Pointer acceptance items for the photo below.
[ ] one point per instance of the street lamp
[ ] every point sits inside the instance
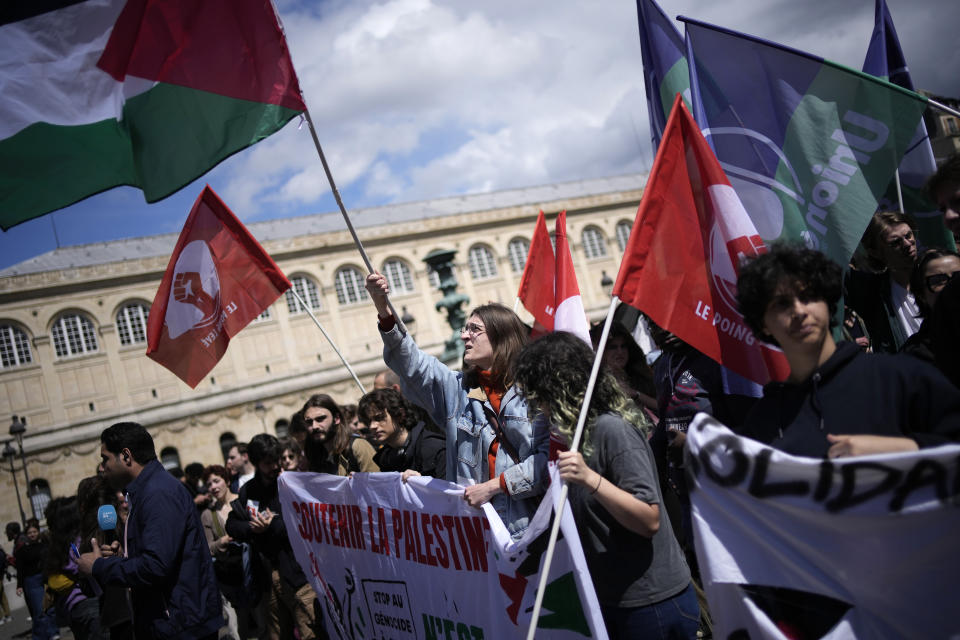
(606, 283)
(9, 453)
(18, 426)
(261, 410)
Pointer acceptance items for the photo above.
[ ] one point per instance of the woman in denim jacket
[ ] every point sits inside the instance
(499, 454)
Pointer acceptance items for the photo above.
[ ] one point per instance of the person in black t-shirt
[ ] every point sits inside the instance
(639, 572)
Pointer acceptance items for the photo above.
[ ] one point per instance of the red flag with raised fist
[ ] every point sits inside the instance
(219, 279)
(681, 263)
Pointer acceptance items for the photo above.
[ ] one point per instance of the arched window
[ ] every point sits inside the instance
(14, 347)
(433, 277)
(40, 495)
(594, 244)
(73, 335)
(482, 263)
(398, 276)
(227, 440)
(349, 285)
(169, 458)
(517, 251)
(623, 234)
(132, 323)
(308, 291)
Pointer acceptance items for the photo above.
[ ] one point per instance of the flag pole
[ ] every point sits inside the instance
(943, 107)
(306, 308)
(896, 177)
(581, 421)
(346, 217)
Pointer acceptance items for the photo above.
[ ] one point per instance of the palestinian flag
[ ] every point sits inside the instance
(146, 93)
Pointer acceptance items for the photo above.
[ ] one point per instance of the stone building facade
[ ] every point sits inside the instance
(73, 339)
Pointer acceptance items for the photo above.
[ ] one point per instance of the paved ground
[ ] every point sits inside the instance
(19, 628)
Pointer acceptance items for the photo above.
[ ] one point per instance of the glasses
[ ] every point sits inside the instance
(472, 329)
(939, 280)
(289, 456)
(896, 241)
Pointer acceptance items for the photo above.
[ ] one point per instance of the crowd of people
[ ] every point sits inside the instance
(204, 553)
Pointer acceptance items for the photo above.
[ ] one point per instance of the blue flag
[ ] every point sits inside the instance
(885, 60)
(809, 145)
(665, 71)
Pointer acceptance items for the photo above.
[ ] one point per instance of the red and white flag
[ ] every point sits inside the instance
(536, 283)
(548, 287)
(570, 315)
(219, 279)
(681, 263)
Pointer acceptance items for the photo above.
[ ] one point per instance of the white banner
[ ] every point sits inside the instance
(861, 547)
(412, 560)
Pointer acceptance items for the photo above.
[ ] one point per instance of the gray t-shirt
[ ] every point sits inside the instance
(628, 570)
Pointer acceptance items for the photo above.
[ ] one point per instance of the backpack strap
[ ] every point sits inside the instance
(501, 436)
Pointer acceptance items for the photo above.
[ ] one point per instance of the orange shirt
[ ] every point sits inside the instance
(494, 396)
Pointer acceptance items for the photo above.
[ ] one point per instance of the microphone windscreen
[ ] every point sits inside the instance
(107, 518)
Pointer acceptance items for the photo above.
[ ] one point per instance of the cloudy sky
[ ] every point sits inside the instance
(417, 99)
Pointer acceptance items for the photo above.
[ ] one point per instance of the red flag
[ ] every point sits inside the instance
(219, 279)
(569, 315)
(684, 252)
(536, 284)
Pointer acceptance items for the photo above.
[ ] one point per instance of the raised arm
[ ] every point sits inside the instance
(425, 380)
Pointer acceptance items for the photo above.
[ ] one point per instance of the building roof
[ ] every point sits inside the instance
(86, 255)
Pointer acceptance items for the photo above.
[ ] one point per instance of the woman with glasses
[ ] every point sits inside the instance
(934, 271)
(493, 447)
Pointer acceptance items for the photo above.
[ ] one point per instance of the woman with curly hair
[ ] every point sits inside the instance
(642, 580)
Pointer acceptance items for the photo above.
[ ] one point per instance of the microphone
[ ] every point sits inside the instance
(107, 521)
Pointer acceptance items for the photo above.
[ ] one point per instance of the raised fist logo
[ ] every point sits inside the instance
(194, 300)
(187, 289)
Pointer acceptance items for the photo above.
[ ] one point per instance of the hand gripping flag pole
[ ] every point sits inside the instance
(565, 489)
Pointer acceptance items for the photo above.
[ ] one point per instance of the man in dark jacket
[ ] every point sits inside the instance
(883, 297)
(837, 400)
(166, 561)
(256, 518)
